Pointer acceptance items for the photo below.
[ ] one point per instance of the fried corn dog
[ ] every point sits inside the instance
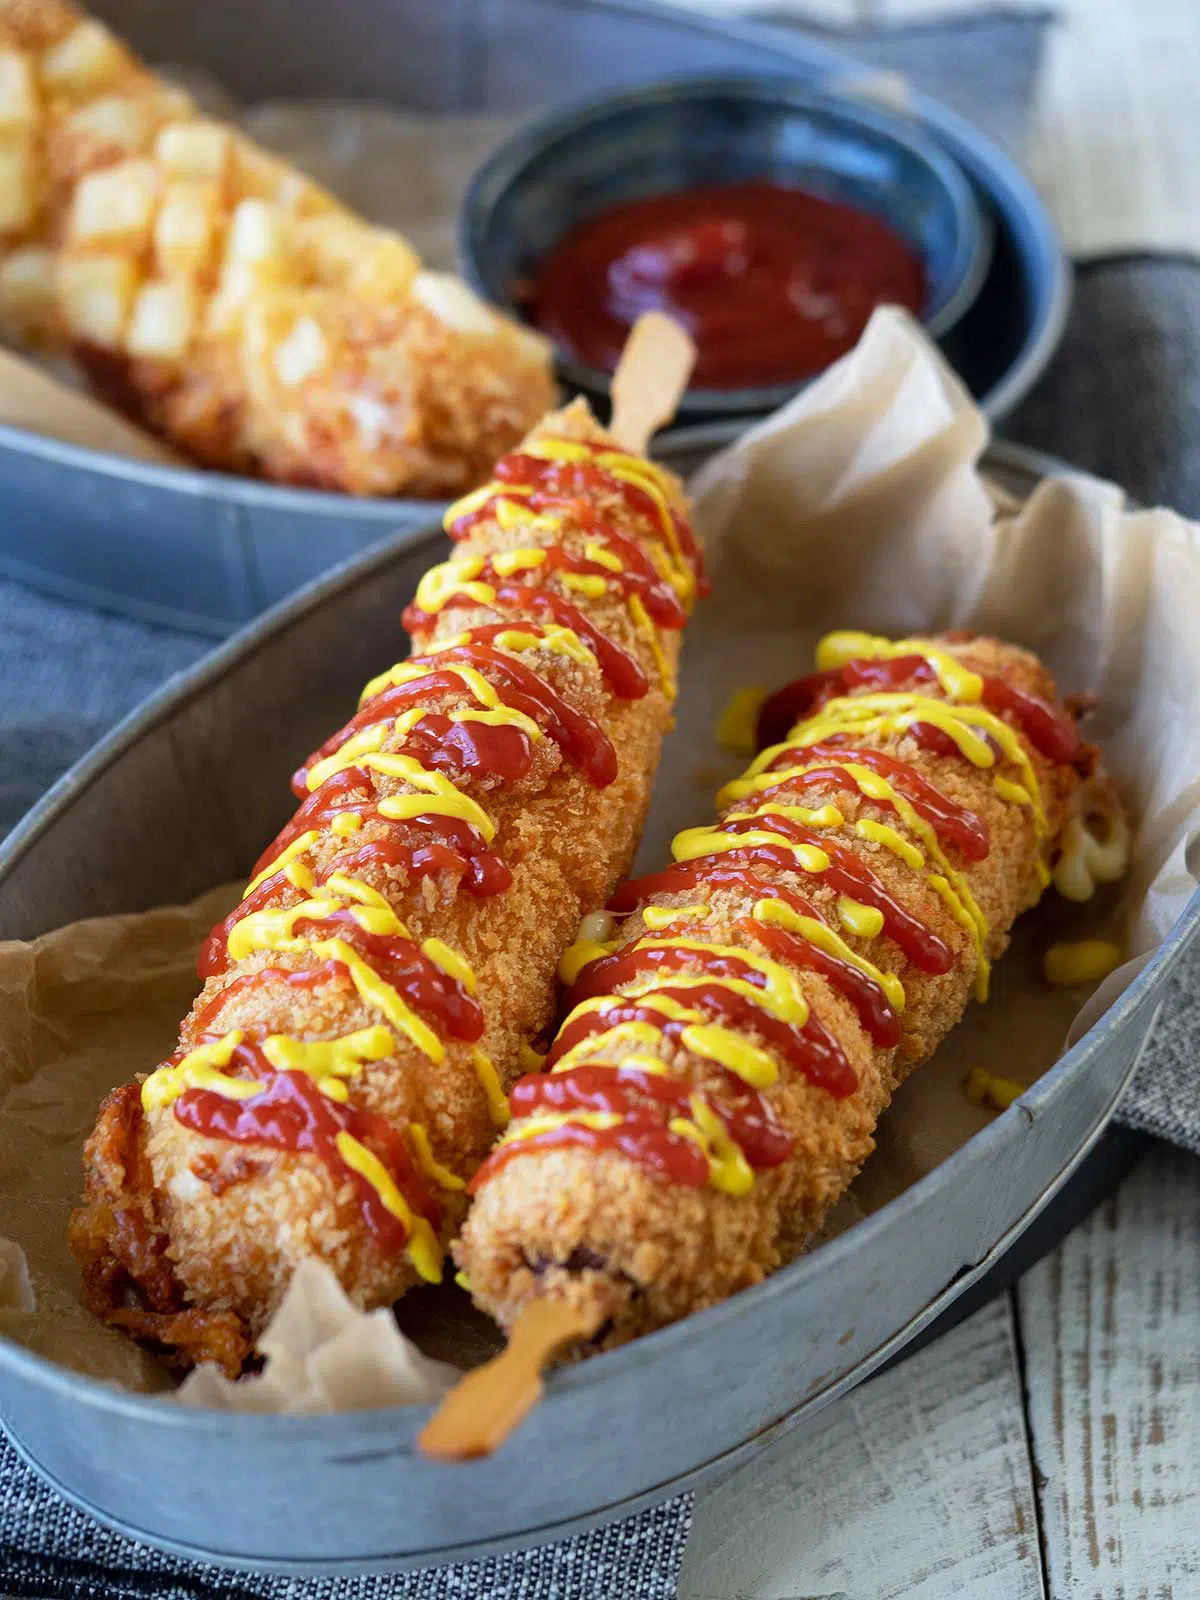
(740, 1021)
(343, 1070)
(225, 301)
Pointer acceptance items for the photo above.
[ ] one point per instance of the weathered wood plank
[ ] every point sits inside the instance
(1110, 1324)
(918, 1485)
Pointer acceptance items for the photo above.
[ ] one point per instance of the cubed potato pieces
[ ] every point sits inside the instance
(95, 296)
(387, 268)
(115, 120)
(27, 298)
(453, 304)
(163, 320)
(187, 225)
(115, 206)
(88, 59)
(302, 353)
(341, 252)
(18, 183)
(18, 90)
(193, 149)
(260, 234)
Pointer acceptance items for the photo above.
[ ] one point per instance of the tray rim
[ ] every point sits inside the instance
(717, 1466)
(182, 689)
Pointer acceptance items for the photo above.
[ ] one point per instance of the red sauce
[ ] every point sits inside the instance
(327, 972)
(825, 1065)
(864, 993)
(455, 845)
(1051, 732)
(846, 874)
(462, 750)
(292, 1114)
(624, 674)
(646, 1102)
(400, 962)
(953, 823)
(579, 736)
(579, 483)
(772, 283)
(810, 1050)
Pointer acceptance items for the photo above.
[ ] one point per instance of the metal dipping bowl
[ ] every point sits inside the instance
(579, 163)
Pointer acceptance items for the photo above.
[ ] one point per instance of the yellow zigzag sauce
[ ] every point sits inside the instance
(782, 997)
(326, 1061)
(422, 1247)
(329, 1063)
(459, 578)
(708, 1040)
(957, 682)
(778, 914)
(966, 722)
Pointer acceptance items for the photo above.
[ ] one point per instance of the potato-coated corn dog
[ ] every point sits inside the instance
(343, 1070)
(740, 1021)
(224, 300)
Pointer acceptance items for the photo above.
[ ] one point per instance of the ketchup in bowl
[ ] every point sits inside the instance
(772, 283)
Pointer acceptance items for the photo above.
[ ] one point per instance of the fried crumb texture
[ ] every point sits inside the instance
(188, 1240)
(589, 1216)
(225, 301)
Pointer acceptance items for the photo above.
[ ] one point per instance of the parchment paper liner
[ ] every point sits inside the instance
(859, 504)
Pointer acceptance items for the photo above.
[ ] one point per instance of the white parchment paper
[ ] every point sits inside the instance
(858, 505)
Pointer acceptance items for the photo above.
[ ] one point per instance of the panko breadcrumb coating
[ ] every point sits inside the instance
(842, 911)
(224, 300)
(341, 1073)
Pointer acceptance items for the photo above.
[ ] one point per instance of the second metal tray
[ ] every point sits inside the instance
(206, 552)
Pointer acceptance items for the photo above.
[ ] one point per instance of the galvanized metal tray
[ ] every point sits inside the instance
(207, 552)
(205, 761)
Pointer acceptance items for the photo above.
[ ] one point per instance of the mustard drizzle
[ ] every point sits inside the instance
(966, 722)
(458, 580)
(331, 1063)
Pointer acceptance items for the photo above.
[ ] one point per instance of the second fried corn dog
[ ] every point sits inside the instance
(733, 1042)
(223, 299)
(343, 1070)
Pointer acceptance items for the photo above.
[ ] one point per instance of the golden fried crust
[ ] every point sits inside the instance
(395, 399)
(234, 1220)
(603, 1232)
(117, 1237)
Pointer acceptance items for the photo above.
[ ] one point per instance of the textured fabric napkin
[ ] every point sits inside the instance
(1120, 401)
(48, 1549)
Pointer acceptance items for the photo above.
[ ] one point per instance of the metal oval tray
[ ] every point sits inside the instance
(211, 753)
(207, 552)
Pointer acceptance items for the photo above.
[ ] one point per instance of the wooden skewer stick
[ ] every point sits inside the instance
(650, 379)
(483, 1408)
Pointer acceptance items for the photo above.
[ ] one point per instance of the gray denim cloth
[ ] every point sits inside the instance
(1122, 400)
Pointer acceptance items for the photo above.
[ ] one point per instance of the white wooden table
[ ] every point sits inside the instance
(1048, 1447)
